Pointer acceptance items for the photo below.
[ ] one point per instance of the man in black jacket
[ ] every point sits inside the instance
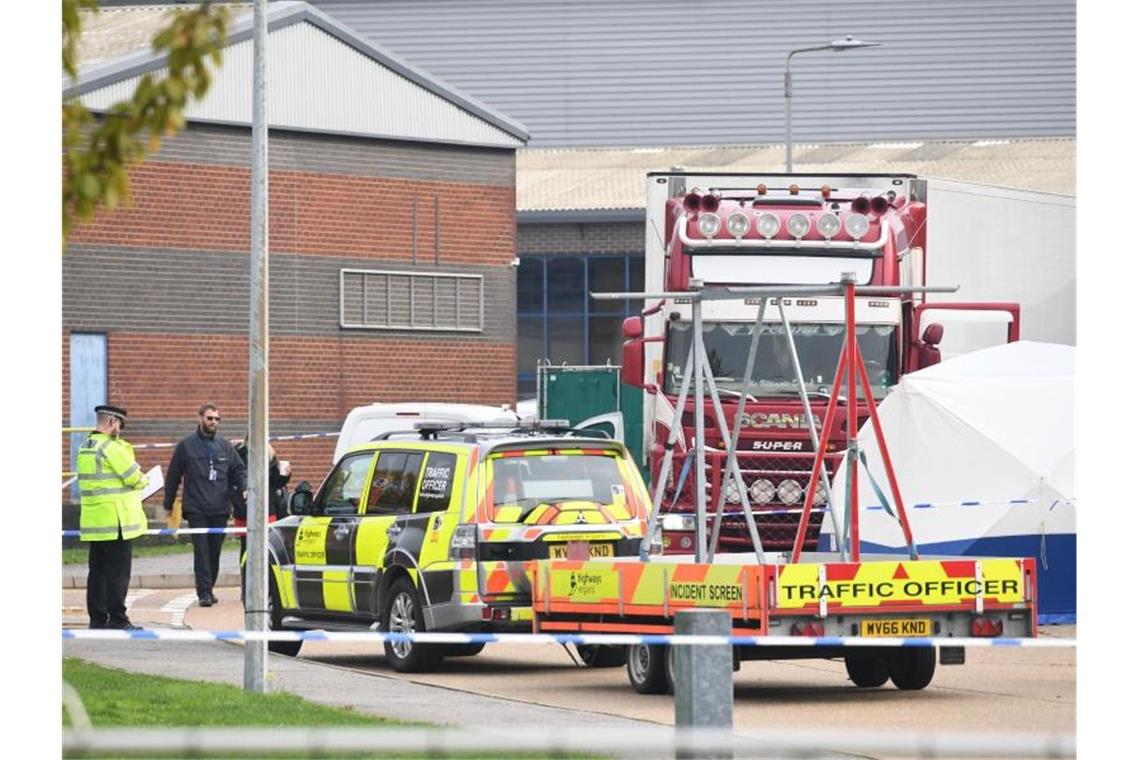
(205, 464)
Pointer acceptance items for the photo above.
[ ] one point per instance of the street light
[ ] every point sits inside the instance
(836, 45)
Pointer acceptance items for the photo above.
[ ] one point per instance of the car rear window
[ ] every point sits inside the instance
(548, 478)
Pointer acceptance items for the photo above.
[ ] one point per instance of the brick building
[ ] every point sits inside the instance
(392, 243)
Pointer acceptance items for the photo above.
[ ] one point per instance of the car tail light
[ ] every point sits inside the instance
(808, 628)
(462, 543)
(496, 613)
(986, 627)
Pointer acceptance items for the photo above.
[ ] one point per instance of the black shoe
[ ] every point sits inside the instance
(206, 601)
(213, 598)
(96, 625)
(127, 626)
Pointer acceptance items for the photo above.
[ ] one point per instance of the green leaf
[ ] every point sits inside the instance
(89, 186)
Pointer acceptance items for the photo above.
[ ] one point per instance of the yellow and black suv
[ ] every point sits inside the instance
(432, 530)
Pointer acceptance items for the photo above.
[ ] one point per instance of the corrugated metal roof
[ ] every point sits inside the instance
(606, 179)
(710, 72)
(317, 70)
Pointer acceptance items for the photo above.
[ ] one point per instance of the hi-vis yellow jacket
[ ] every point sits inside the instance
(109, 485)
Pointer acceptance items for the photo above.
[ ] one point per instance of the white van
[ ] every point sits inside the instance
(365, 423)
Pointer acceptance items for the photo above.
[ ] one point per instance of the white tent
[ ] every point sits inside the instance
(983, 448)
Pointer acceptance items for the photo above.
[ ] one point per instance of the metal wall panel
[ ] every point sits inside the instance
(699, 72)
(319, 83)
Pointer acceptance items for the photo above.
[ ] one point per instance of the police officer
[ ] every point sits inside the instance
(110, 516)
(205, 464)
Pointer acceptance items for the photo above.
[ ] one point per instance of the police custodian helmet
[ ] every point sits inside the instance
(117, 412)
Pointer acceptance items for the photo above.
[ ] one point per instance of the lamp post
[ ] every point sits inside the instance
(836, 45)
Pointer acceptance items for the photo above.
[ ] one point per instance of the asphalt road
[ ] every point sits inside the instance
(997, 690)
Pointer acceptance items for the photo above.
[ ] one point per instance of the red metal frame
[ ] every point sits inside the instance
(851, 364)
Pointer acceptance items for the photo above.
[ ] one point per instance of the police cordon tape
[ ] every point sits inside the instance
(364, 637)
(738, 514)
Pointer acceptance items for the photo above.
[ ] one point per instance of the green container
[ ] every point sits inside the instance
(579, 393)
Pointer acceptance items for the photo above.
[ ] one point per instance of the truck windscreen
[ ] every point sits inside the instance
(817, 345)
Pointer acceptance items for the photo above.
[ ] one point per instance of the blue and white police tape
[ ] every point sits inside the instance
(739, 515)
(378, 637)
(174, 531)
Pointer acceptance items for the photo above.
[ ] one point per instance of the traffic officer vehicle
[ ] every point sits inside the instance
(433, 529)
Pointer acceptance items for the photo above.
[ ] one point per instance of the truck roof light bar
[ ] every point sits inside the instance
(843, 245)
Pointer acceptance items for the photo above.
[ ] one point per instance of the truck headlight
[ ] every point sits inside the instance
(798, 225)
(737, 225)
(768, 225)
(856, 225)
(731, 493)
(678, 522)
(828, 225)
(762, 491)
(790, 491)
(708, 224)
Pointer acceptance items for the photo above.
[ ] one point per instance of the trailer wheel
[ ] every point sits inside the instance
(867, 671)
(648, 668)
(601, 655)
(912, 668)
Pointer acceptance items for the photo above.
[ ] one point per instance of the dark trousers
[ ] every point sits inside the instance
(207, 551)
(108, 578)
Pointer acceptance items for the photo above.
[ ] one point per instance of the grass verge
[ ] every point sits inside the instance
(78, 555)
(117, 698)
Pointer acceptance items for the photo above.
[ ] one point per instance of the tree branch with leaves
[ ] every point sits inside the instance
(99, 150)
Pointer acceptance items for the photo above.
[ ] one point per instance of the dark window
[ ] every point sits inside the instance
(565, 335)
(530, 343)
(435, 488)
(530, 286)
(394, 483)
(565, 286)
(605, 340)
(341, 490)
(558, 321)
(607, 275)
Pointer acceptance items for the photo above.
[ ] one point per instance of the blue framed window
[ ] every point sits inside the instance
(557, 319)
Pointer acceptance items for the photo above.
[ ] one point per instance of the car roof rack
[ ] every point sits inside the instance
(473, 432)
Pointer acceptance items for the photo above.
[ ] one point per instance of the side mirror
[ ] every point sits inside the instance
(632, 328)
(301, 502)
(932, 335)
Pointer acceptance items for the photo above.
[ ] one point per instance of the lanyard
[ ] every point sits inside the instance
(208, 445)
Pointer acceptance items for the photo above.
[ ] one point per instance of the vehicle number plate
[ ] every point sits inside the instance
(896, 627)
(580, 550)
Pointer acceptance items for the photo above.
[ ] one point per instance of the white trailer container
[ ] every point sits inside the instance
(1002, 244)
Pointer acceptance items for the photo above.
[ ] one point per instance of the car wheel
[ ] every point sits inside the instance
(290, 648)
(648, 668)
(912, 668)
(404, 615)
(867, 671)
(601, 655)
